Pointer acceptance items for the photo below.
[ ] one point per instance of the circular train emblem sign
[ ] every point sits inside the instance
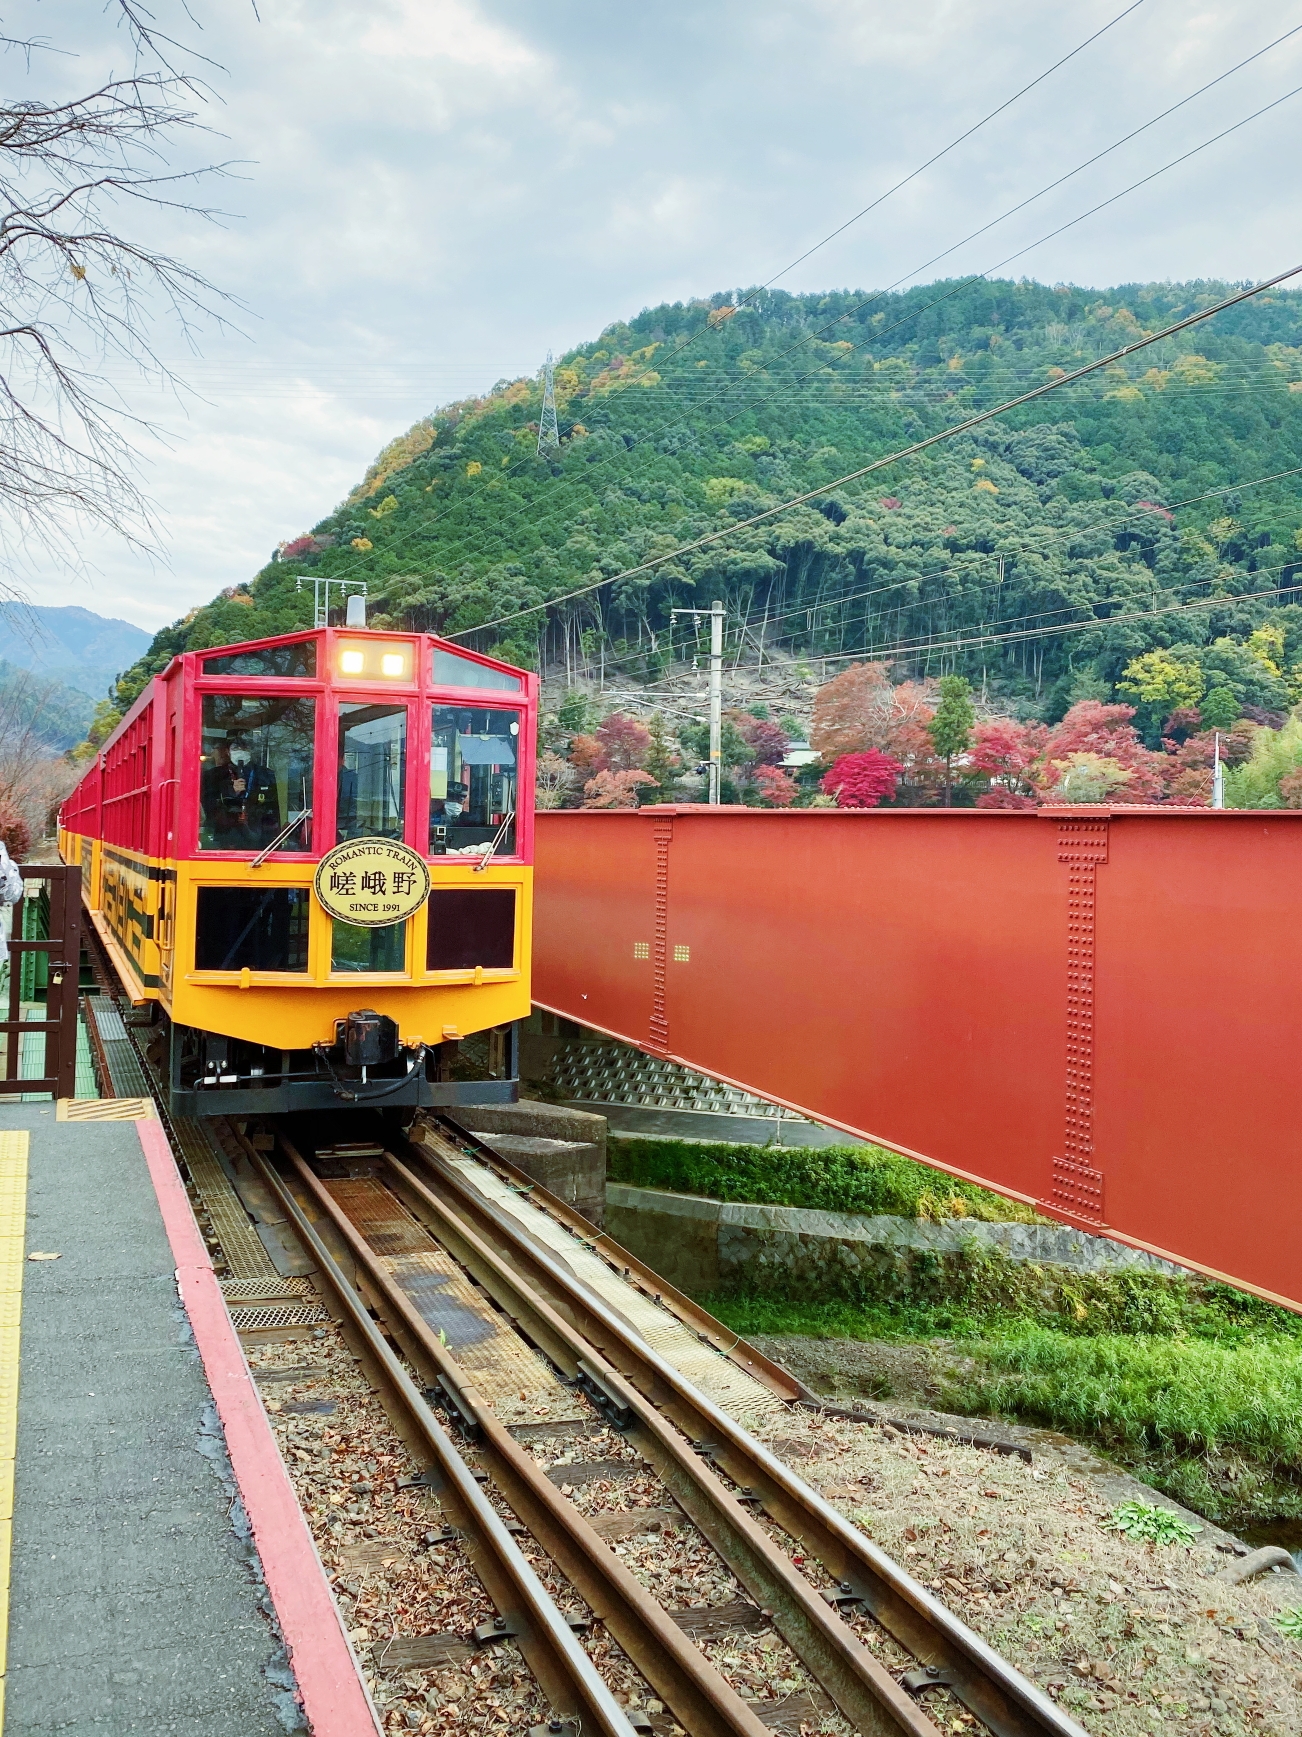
(371, 882)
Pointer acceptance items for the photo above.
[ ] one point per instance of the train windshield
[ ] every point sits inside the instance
(372, 771)
(474, 754)
(255, 773)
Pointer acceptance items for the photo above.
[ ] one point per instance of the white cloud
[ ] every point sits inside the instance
(442, 30)
(440, 190)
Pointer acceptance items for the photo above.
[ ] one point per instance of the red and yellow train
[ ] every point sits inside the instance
(312, 855)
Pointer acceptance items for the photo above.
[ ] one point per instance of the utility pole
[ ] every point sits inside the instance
(549, 436)
(715, 768)
(321, 586)
(716, 700)
(1218, 774)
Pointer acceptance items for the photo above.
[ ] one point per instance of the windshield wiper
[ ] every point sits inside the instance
(280, 837)
(498, 836)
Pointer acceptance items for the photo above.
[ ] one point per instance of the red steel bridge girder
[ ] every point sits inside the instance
(1095, 1010)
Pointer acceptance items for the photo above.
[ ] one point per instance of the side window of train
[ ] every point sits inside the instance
(371, 796)
(474, 753)
(255, 773)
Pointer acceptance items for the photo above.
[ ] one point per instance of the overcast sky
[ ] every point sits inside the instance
(433, 192)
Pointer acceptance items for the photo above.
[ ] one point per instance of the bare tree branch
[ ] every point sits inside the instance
(83, 286)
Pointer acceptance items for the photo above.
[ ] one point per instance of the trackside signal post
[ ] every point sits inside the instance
(715, 614)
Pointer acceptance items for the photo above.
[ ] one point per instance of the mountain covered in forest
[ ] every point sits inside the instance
(1038, 555)
(69, 645)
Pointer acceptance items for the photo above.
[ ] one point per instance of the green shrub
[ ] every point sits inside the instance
(866, 1179)
(1150, 1525)
(1181, 1395)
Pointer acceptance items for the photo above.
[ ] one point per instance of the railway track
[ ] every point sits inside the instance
(753, 1510)
(420, 1246)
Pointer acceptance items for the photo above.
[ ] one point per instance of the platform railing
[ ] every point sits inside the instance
(62, 950)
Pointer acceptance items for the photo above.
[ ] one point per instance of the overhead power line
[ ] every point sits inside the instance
(943, 152)
(754, 403)
(1051, 186)
(746, 301)
(1099, 623)
(896, 457)
(967, 283)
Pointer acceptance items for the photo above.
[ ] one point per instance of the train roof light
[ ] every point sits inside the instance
(376, 662)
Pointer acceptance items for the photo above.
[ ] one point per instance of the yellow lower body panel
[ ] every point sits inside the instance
(147, 912)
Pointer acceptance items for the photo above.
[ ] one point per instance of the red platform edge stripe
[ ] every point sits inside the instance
(335, 1701)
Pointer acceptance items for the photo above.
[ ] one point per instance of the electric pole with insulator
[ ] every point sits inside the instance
(549, 434)
(714, 769)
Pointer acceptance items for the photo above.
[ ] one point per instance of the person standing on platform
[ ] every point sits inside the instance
(11, 890)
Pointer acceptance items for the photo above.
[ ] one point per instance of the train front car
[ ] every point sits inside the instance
(312, 855)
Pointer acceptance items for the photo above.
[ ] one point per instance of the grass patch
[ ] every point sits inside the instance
(1157, 1394)
(1216, 1426)
(981, 1293)
(865, 1179)
(750, 1314)
(1209, 1413)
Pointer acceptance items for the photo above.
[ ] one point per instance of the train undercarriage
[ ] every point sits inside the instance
(212, 1075)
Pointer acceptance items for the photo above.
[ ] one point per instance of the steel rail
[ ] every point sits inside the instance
(699, 1320)
(567, 1676)
(1004, 1699)
(812, 1625)
(699, 1697)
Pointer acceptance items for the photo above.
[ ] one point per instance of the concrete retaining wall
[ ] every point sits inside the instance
(563, 1149)
(704, 1245)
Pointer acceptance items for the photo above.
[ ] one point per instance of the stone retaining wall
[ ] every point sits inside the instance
(706, 1245)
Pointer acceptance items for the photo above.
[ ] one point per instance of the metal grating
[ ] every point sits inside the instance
(108, 1021)
(382, 1219)
(515, 1380)
(278, 1315)
(745, 1397)
(127, 1076)
(258, 1290)
(240, 1242)
(615, 1073)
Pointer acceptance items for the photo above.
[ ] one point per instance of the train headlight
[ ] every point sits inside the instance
(386, 662)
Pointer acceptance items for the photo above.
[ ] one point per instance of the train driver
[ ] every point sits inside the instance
(241, 806)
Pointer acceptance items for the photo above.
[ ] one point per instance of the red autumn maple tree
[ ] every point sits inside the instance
(1007, 751)
(614, 789)
(862, 780)
(777, 789)
(766, 740)
(859, 710)
(1106, 731)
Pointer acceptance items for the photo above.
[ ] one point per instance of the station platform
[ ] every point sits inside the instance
(155, 1570)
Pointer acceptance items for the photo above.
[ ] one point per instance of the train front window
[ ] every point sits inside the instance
(474, 756)
(354, 949)
(372, 771)
(255, 773)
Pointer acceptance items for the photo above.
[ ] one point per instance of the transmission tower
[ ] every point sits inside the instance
(549, 435)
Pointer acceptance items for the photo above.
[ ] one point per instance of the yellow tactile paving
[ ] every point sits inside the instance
(104, 1110)
(13, 1224)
